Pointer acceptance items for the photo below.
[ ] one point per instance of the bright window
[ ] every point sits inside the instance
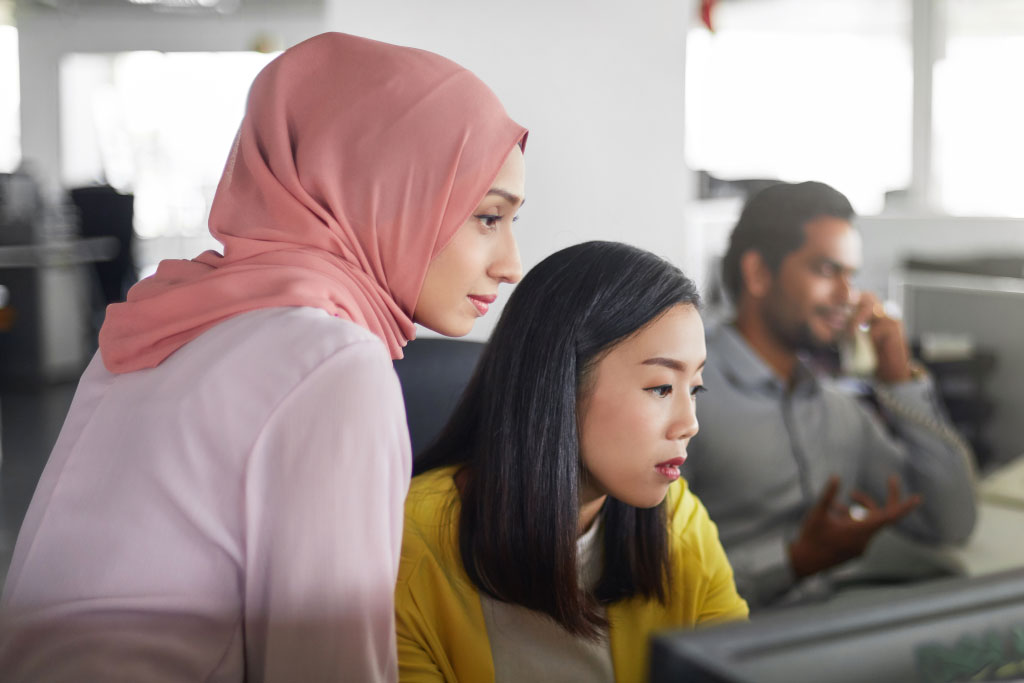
(978, 109)
(804, 90)
(159, 125)
(10, 99)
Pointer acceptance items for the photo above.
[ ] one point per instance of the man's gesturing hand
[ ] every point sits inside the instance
(830, 535)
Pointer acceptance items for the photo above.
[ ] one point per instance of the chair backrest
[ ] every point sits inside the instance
(433, 374)
(103, 211)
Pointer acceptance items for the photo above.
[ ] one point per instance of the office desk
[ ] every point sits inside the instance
(998, 539)
(1005, 486)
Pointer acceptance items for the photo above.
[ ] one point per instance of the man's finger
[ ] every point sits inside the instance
(841, 511)
(828, 496)
(901, 510)
(895, 490)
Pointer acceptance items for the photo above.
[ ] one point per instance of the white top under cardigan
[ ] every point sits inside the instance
(232, 514)
(531, 646)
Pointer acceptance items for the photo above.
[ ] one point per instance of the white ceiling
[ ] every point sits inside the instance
(188, 6)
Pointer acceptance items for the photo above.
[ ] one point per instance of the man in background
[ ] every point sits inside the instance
(798, 475)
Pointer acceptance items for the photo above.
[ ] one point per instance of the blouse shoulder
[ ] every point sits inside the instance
(274, 349)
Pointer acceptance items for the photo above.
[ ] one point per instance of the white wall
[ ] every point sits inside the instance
(45, 36)
(599, 83)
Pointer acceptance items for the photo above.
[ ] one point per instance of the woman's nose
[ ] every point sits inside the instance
(685, 426)
(506, 266)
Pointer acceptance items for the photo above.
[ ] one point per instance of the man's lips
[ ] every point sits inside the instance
(837, 319)
(482, 301)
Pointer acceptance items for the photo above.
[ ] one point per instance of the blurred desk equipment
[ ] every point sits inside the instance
(966, 629)
(973, 325)
(44, 336)
(961, 374)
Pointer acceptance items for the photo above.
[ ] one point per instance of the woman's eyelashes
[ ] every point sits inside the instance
(492, 221)
(664, 390)
(661, 391)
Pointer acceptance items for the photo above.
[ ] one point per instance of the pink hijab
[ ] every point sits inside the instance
(355, 164)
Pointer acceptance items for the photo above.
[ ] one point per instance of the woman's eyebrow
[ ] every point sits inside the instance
(670, 363)
(507, 196)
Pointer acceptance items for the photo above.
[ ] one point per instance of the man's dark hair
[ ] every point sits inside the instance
(515, 432)
(772, 224)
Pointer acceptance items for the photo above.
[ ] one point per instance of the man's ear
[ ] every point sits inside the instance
(757, 276)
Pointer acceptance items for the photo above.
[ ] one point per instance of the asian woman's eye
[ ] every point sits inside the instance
(489, 220)
(661, 391)
(699, 389)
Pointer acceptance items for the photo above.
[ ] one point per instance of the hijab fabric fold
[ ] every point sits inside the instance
(354, 165)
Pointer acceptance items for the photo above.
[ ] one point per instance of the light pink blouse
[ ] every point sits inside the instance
(194, 526)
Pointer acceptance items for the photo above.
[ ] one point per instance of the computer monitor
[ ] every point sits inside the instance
(989, 312)
(964, 629)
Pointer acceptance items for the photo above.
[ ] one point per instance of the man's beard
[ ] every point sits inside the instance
(795, 335)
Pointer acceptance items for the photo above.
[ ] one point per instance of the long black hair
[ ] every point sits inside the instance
(515, 433)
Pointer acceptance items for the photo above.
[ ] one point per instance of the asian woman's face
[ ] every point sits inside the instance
(638, 413)
(462, 281)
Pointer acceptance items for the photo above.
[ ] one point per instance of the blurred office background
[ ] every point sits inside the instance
(650, 122)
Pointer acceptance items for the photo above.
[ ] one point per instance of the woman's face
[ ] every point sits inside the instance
(639, 412)
(462, 281)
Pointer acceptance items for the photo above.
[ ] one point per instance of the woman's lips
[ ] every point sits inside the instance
(670, 468)
(482, 301)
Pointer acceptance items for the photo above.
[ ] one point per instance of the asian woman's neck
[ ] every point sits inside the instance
(590, 505)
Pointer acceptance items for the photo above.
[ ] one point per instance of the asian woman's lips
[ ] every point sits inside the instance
(670, 468)
(482, 302)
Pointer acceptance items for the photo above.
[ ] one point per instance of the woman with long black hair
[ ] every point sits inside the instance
(549, 534)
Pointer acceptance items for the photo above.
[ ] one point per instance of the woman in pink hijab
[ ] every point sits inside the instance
(224, 502)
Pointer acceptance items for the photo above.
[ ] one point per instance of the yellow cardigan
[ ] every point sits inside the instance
(440, 623)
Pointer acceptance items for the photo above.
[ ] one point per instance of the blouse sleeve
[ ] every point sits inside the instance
(324, 493)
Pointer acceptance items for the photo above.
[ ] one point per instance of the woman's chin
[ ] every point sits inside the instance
(645, 500)
(450, 328)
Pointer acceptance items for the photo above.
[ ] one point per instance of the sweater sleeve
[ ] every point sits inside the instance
(931, 457)
(324, 491)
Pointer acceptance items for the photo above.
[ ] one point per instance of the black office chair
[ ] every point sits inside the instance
(433, 374)
(103, 212)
